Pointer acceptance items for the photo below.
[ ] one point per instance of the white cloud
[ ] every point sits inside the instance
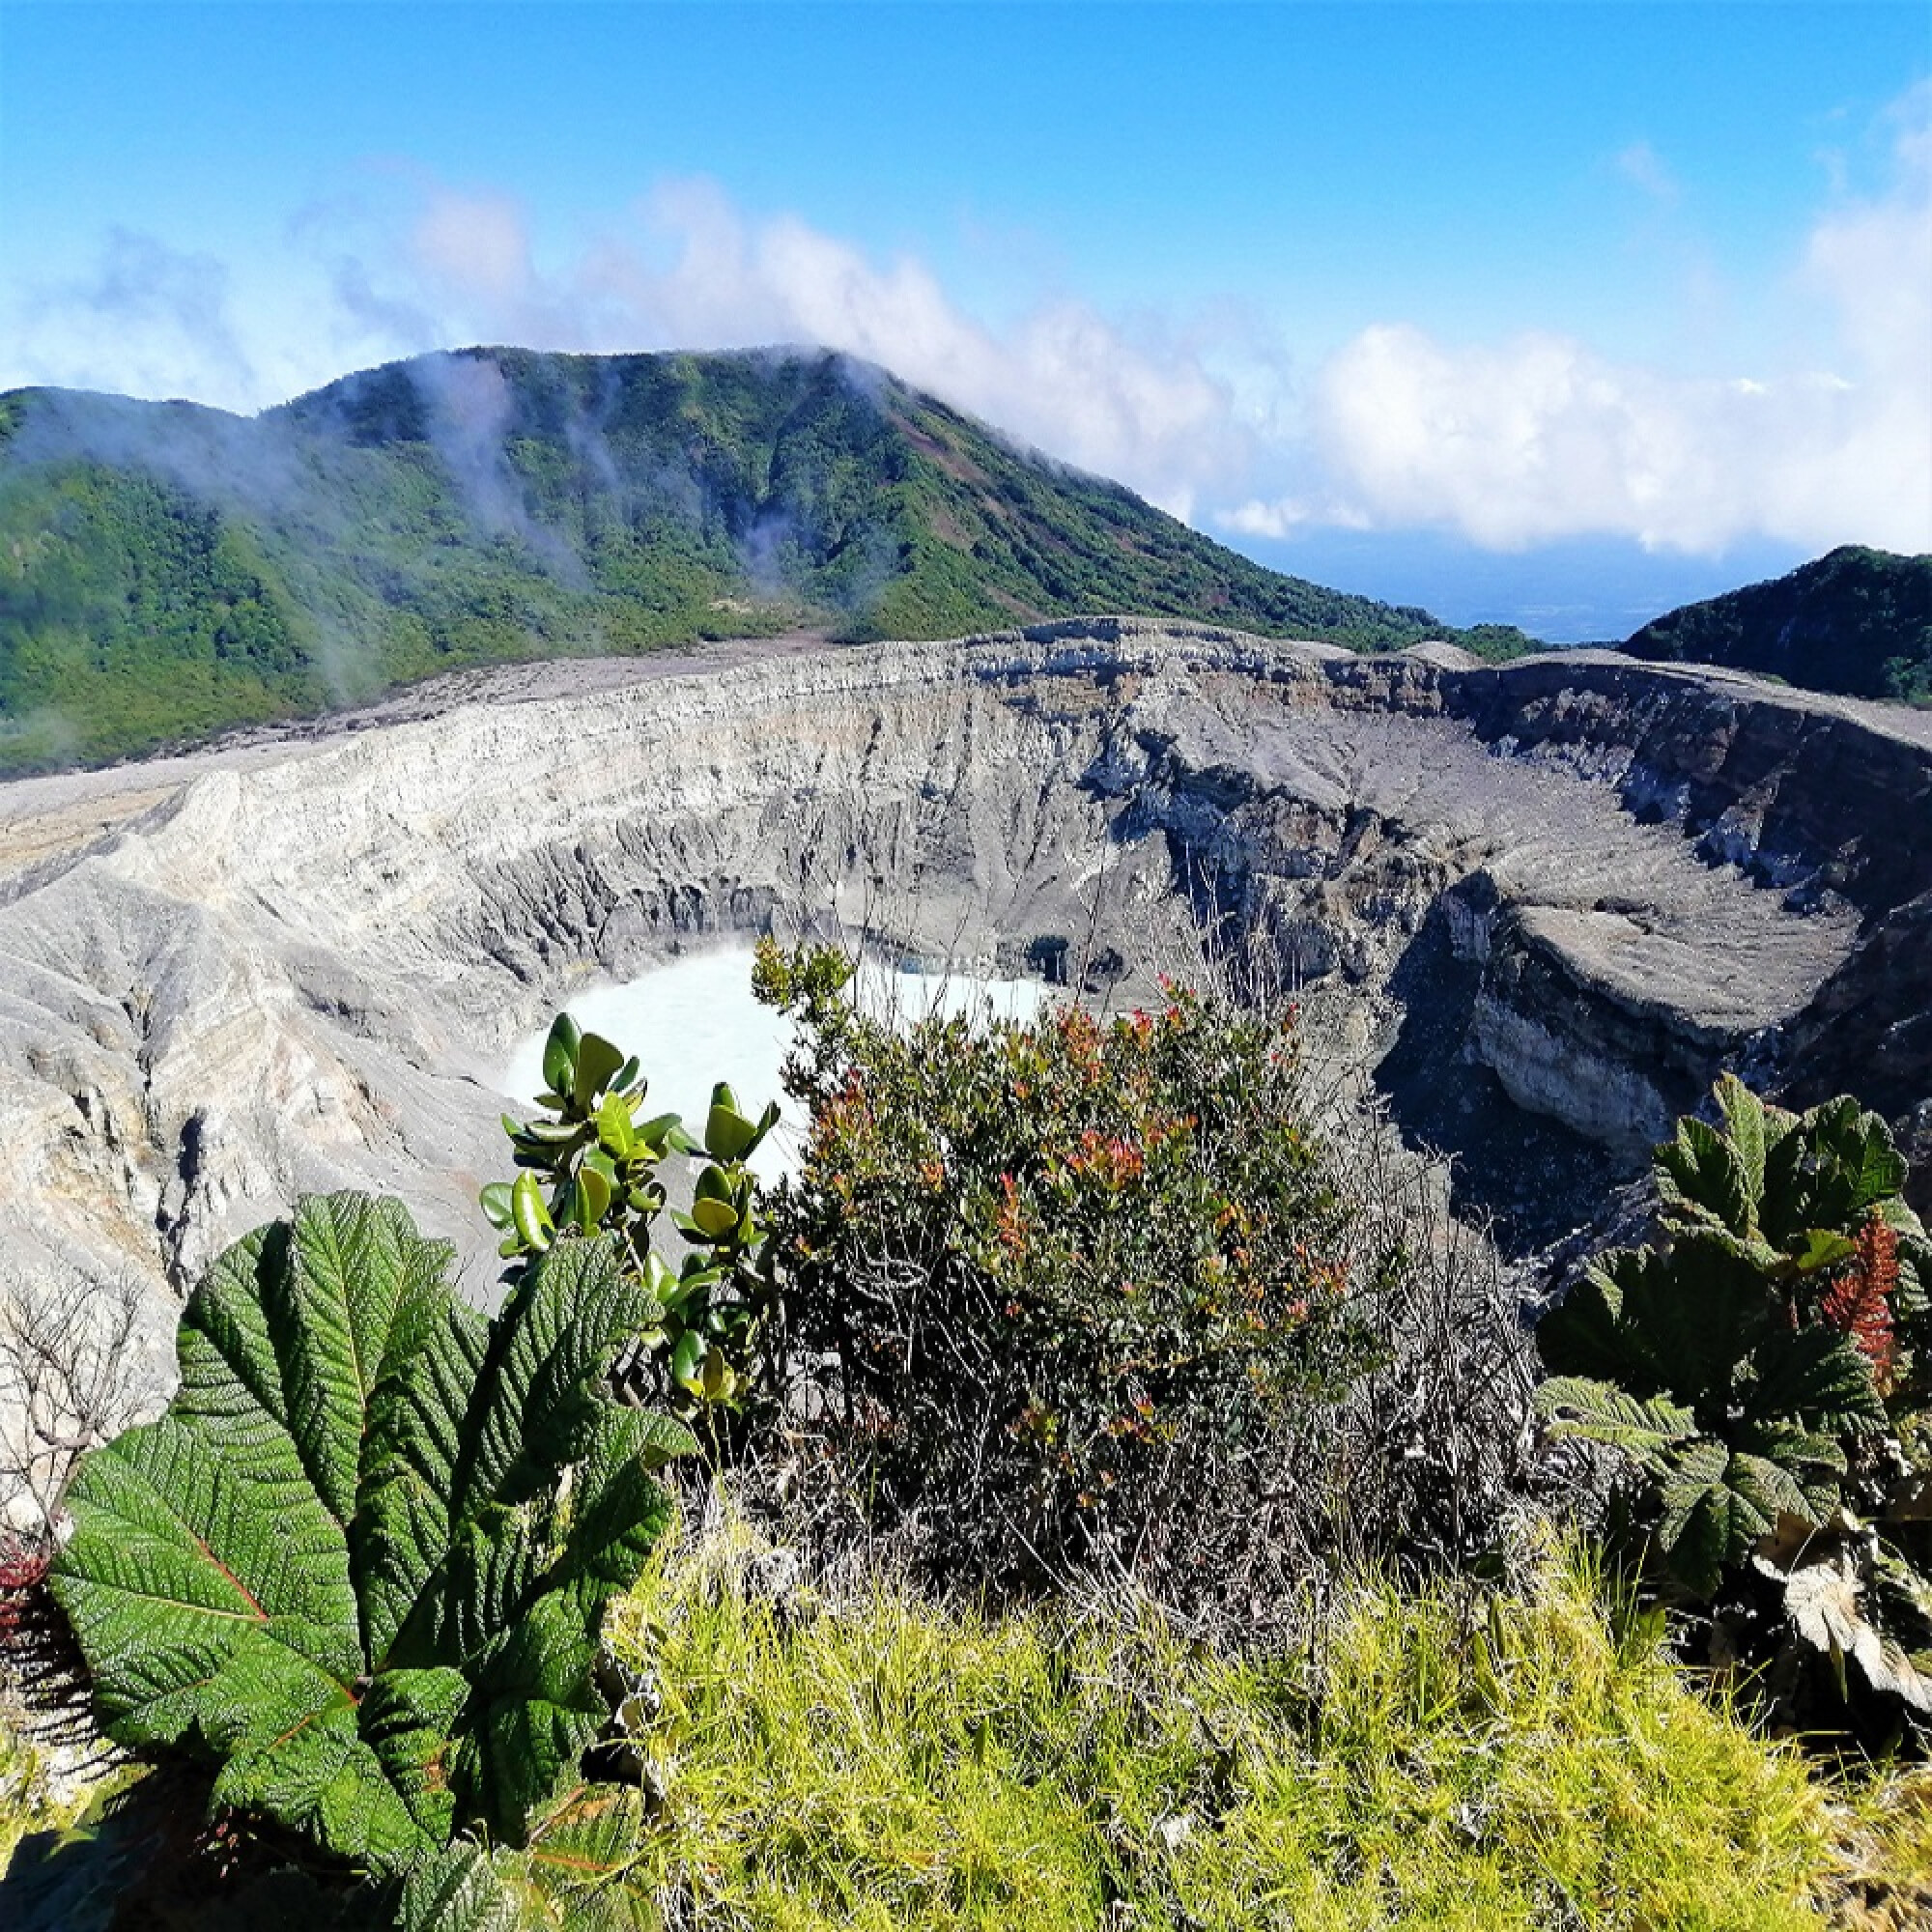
(1539, 436)
(149, 319)
(1644, 167)
(689, 270)
(475, 242)
(1510, 441)
(1281, 517)
(695, 272)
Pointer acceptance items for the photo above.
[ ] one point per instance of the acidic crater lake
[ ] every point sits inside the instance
(694, 1022)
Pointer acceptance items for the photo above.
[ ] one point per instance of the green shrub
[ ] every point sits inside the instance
(1763, 1371)
(1061, 1285)
(359, 1570)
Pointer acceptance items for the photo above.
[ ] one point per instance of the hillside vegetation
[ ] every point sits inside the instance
(394, 1624)
(1856, 622)
(167, 570)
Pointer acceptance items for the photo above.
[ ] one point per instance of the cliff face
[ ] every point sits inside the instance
(1548, 902)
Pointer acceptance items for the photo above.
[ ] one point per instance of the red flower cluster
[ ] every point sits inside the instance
(1859, 1302)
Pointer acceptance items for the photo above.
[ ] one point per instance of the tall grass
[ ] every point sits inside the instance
(875, 1762)
(861, 1758)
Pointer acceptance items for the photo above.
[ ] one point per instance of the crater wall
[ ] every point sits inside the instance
(1545, 903)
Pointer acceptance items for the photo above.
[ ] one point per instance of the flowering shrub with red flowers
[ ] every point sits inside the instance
(1762, 1374)
(1070, 1280)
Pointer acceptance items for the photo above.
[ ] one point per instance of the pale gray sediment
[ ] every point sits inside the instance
(1577, 886)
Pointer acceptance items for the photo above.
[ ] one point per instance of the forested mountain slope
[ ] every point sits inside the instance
(1856, 622)
(168, 570)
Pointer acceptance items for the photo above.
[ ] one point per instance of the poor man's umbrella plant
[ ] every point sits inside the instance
(359, 1570)
(1762, 1371)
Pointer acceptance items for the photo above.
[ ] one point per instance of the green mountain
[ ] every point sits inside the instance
(1856, 622)
(167, 570)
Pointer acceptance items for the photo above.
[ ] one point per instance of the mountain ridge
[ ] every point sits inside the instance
(1856, 622)
(167, 571)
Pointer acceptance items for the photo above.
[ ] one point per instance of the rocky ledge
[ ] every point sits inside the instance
(1545, 903)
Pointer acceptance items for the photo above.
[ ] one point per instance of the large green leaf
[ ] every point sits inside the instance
(1700, 1174)
(1576, 1406)
(1693, 1531)
(1835, 1161)
(1677, 1321)
(1816, 1376)
(578, 1857)
(1751, 1129)
(361, 1564)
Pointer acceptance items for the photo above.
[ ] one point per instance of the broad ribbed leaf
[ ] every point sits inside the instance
(619, 1511)
(416, 1423)
(540, 1389)
(1699, 1173)
(1912, 1299)
(459, 1889)
(304, 1760)
(1587, 1334)
(342, 1566)
(1815, 1375)
(230, 1374)
(1749, 1131)
(1676, 1323)
(1718, 1507)
(506, 1767)
(1575, 1405)
(1859, 1146)
(1694, 1531)
(1814, 1460)
(353, 1306)
(409, 1718)
(577, 1856)
(1836, 1161)
(181, 1555)
(1768, 1490)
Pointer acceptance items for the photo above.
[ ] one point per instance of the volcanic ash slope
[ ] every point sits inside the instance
(1565, 892)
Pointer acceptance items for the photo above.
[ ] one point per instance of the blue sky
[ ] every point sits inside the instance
(1558, 312)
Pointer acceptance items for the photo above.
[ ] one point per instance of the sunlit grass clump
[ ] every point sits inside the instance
(875, 1762)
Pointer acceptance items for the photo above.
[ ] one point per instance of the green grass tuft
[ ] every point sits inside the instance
(43, 1790)
(879, 1762)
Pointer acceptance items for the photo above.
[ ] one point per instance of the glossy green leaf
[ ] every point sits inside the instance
(598, 1063)
(559, 1054)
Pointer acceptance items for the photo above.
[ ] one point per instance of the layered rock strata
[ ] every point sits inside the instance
(1550, 900)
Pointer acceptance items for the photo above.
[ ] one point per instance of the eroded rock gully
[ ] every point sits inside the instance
(1548, 902)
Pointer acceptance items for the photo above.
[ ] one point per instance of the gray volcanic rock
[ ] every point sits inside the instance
(1548, 902)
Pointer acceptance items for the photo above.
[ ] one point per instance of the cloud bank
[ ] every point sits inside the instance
(1508, 442)
(1522, 441)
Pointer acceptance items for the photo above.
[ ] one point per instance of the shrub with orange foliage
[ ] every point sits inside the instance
(1089, 1270)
